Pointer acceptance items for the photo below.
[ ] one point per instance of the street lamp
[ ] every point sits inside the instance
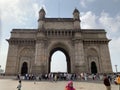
(116, 68)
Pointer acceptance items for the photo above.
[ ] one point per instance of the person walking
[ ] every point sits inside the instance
(19, 85)
(55, 77)
(107, 82)
(118, 80)
(69, 86)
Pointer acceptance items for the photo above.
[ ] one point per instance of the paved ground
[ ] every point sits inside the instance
(10, 84)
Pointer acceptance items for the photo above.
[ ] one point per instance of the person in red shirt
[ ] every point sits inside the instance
(69, 86)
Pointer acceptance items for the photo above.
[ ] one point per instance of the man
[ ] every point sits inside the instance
(107, 82)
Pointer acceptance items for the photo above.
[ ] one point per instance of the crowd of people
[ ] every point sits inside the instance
(66, 76)
(50, 76)
(106, 78)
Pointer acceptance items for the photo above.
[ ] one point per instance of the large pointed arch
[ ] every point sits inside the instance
(58, 62)
(67, 58)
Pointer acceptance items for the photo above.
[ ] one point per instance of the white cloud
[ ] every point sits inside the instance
(110, 23)
(84, 3)
(36, 9)
(104, 20)
(19, 11)
(89, 20)
(11, 12)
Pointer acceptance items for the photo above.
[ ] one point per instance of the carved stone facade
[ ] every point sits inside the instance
(30, 50)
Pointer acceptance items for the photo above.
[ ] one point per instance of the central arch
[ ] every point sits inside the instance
(67, 58)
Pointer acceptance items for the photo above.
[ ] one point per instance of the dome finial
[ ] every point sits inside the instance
(42, 13)
(76, 14)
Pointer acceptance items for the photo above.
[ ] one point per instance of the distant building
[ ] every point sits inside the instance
(30, 50)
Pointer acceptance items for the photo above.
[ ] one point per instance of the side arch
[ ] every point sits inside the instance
(93, 61)
(24, 68)
(93, 67)
(26, 55)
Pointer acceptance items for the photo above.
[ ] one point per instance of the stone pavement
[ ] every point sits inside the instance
(10, 84)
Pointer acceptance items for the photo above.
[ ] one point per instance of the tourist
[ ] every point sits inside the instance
(19, 85)
(118, 79)
(107, 82)
(18, 76)
(69, 86)
(55, 77)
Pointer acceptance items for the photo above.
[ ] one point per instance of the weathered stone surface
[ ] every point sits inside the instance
(30, 50)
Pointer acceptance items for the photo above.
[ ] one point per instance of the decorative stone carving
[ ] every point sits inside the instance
(83, 48)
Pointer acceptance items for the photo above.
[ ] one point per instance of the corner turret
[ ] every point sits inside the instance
(41, 18)
(76, 14)
(76, 19)
(42, 14)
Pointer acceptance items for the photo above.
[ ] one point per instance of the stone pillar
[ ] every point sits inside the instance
(11, 66)
(41, 24)
(105, 59)
(39, 55)
(77, 24)
(79, 57)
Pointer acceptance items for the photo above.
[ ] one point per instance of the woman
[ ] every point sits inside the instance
(69, 86)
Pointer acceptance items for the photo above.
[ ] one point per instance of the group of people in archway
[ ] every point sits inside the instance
(61, 76)
(50, 76)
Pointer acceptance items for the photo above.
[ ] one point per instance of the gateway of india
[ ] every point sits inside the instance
(30, 50)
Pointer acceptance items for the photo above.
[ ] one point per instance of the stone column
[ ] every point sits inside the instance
(79, 56)
(11, 66)
(105, 58)
(39, 55)
(77, 24)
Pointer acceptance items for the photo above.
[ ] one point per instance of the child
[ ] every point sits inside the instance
(69, 86)
(19, 85)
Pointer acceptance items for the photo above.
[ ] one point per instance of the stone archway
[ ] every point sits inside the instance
(67, 58)
(58, 62)
(93, 67)
(24, 68)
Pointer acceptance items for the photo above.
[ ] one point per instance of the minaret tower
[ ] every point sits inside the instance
(76, 18)
(41, 18)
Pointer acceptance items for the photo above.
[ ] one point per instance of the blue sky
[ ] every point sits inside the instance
(101, 14)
